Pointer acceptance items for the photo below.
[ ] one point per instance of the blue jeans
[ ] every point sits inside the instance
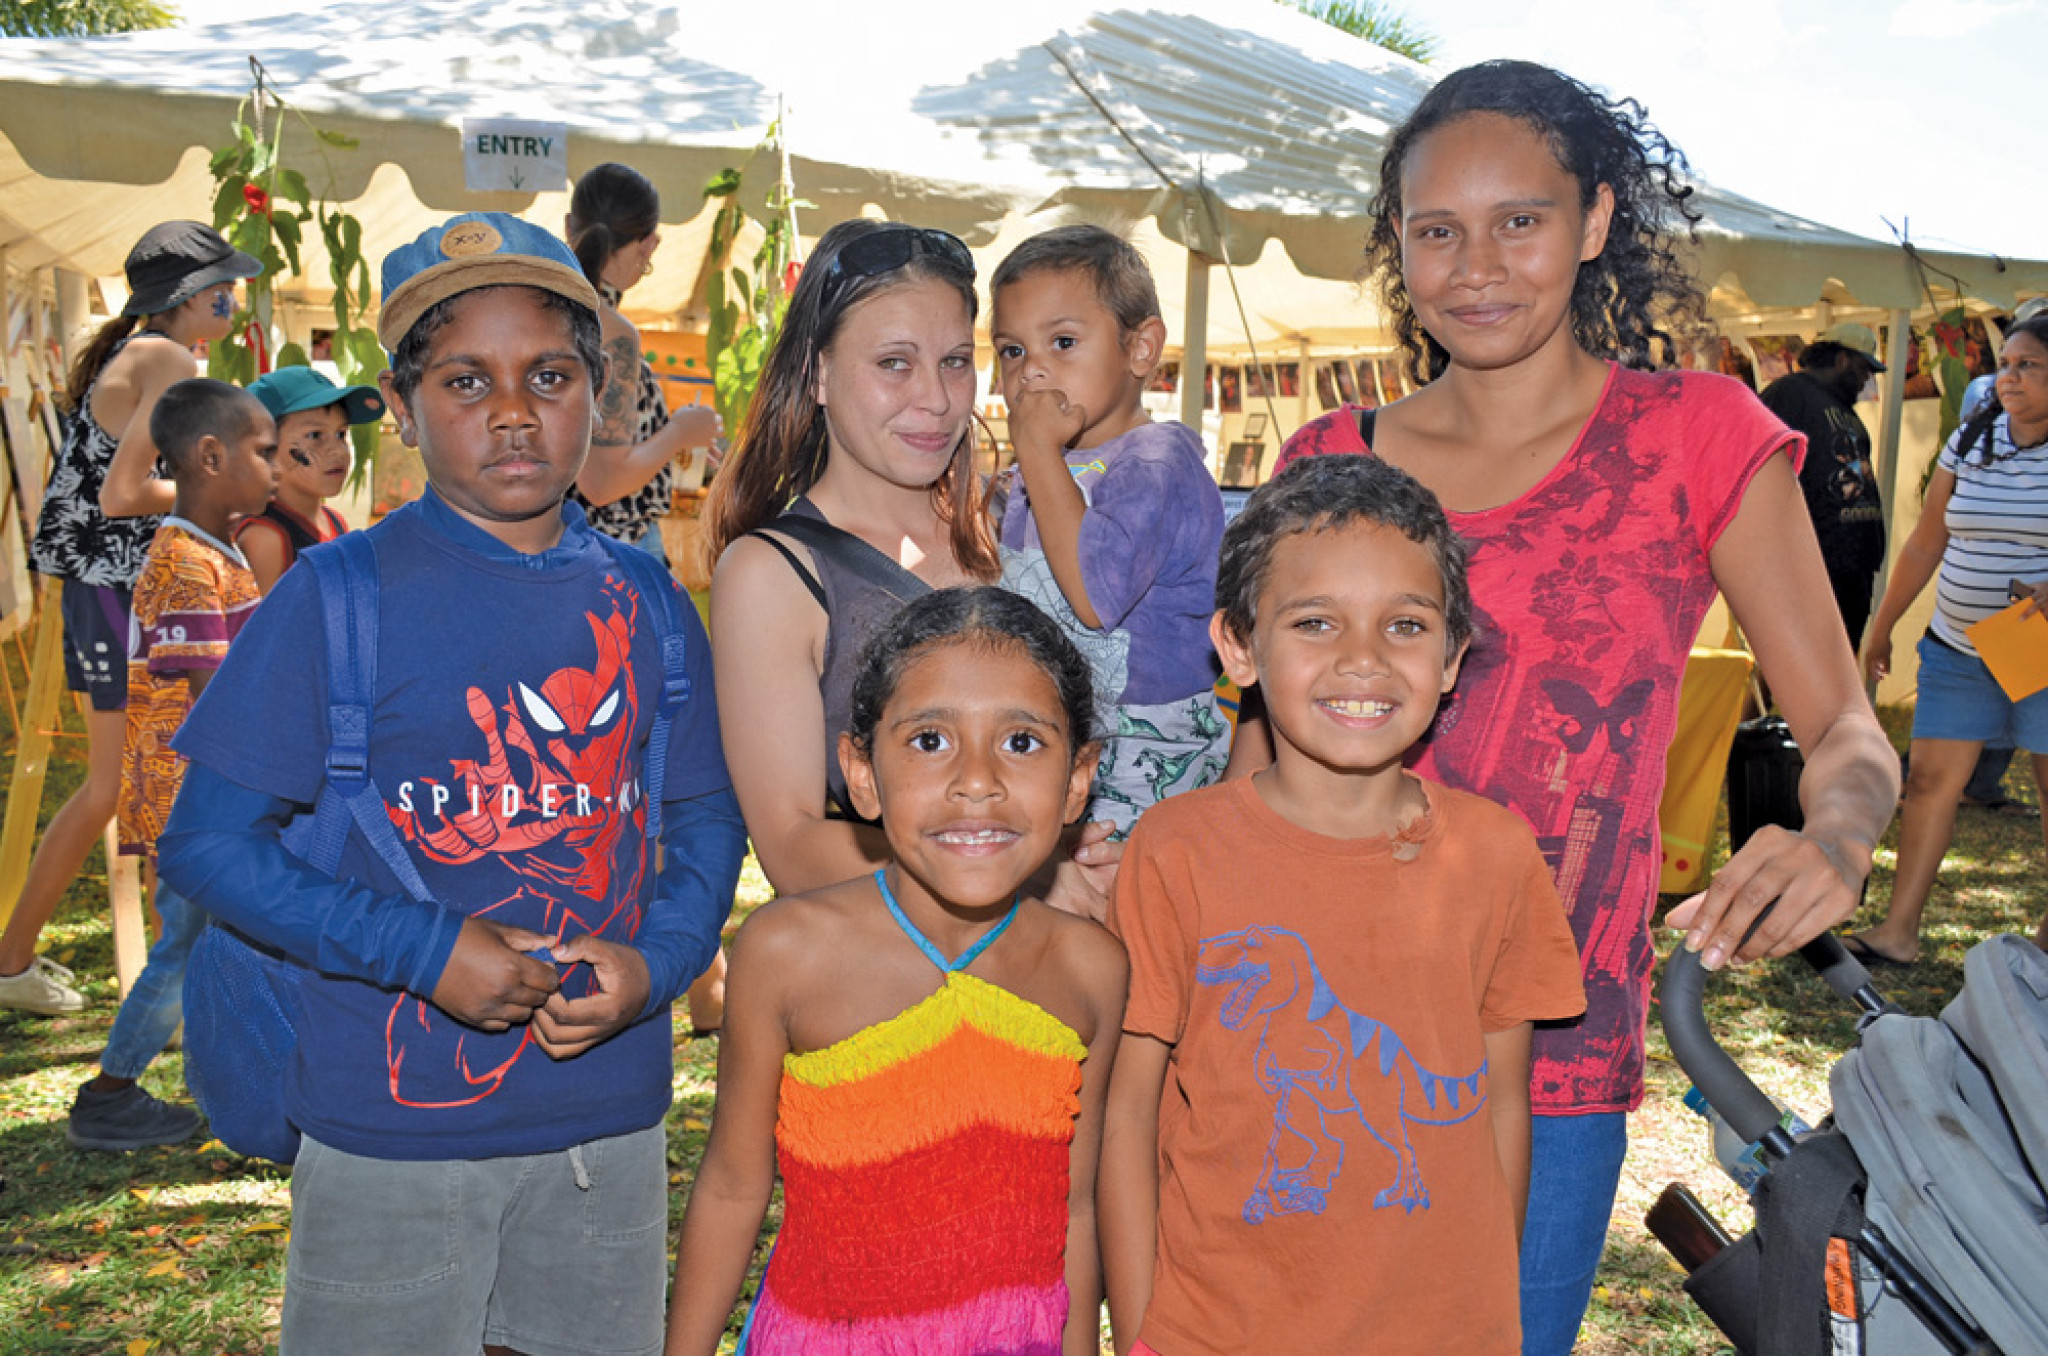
(153, 1008)
(1574, 1171)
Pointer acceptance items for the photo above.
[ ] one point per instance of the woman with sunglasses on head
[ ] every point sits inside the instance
(614, 227)
(850, 491)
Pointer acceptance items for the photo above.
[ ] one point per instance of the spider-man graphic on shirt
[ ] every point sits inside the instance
(549, 795)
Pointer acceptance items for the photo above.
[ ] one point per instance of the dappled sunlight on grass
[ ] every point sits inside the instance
(182, 1249)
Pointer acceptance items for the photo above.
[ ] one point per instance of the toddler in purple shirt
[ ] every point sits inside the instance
(1110, 522)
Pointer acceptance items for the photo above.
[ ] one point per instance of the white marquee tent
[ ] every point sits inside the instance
(1237, 127)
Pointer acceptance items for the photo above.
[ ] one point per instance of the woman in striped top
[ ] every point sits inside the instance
(1985, 526)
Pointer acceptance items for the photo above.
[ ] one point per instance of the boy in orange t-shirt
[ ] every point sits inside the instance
(1318, 1131)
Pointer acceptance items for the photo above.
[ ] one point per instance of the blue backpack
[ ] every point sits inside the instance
(242, 998)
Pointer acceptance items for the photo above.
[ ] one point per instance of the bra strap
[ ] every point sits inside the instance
(924, 943)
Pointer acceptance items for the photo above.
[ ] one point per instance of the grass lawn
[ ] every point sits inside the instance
(180, 1251)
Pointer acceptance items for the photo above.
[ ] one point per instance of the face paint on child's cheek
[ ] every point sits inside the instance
(223, 304)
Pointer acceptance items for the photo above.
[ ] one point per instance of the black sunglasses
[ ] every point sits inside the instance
(888, 249)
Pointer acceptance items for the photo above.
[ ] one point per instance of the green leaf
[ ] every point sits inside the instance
(291, 355)
(227, 203)
(251, 235)
(369, 357)
(287, 231)
(723, 184)
(338, 139)
(291, 186)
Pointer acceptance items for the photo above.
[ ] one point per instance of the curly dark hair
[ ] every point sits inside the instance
(1317, 494)
(977, 614)
(1622, 299)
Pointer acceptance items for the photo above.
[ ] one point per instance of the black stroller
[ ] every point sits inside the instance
(1914, 1221)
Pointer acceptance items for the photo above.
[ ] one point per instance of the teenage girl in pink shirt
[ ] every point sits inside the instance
(1523, 238)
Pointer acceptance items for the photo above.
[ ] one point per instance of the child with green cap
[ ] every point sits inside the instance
(313, 419)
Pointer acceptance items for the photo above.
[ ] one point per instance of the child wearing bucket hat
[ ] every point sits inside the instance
(313, 419)
(181, 280)
(522, 664)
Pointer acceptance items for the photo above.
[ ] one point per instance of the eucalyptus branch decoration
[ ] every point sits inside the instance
(746, 305)
(263, 206)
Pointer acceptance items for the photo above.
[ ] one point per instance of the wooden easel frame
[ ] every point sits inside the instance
(24, 366)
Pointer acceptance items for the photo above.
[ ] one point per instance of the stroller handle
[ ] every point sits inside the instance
(1720, 1080)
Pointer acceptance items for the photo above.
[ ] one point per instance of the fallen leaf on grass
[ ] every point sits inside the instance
(263, 1229)
(141, 1346)
(140, 1194)
(163, 1268)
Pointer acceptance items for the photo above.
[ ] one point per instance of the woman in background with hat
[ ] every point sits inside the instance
(181, 279)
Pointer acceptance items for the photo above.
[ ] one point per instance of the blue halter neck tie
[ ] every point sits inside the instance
(924, 943)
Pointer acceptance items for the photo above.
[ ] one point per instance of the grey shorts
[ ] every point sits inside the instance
(557, 1254)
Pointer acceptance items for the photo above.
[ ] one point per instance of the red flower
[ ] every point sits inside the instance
(258, 200)
(790, 273)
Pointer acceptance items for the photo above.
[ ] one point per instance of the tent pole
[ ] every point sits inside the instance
(1892, 391)
(1301, 391)
(73, 312)
(1194, 341)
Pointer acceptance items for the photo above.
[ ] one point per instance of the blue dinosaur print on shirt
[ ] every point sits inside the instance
(1312, 1057)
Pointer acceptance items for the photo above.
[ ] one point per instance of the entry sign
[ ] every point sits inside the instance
(508, 155)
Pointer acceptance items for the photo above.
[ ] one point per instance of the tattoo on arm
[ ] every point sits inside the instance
(616, 425)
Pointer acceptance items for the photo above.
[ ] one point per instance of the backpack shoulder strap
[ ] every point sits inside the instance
(657, 588)
(345, 574)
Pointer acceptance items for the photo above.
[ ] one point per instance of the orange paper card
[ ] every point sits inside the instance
(2015, 649)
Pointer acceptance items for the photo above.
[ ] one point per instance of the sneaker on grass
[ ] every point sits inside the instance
(44, 987)
(127, 1118)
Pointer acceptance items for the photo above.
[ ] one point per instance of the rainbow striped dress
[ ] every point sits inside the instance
(924, 1177)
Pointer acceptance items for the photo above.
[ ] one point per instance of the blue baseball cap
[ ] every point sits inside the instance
(290, 390)
(476, 249)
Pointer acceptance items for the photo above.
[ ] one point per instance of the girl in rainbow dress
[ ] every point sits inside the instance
(922, 1053)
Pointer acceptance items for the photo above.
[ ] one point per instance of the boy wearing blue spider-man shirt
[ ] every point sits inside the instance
(481, 1078)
